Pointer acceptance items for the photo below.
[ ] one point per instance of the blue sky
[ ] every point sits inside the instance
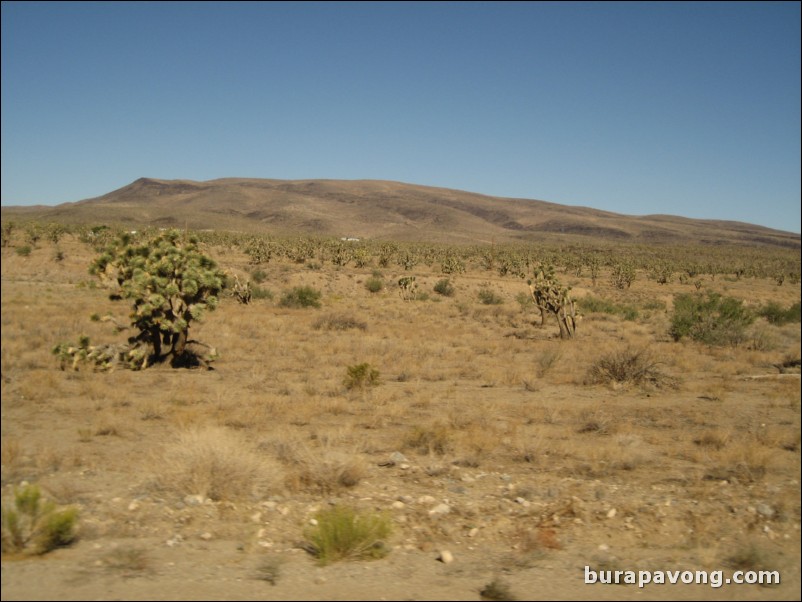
(687, 109)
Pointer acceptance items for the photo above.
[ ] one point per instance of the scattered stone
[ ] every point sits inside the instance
(765, 510)
(473, 532)
(611, 513)
(440, 509)
(134, 505)
(445, 557)
(426, 499)
(256, 517)
(206, 536)
(174, 541)
(398, 505)
(313, 522)
(398, 457)
(603, 547)
(193, 500)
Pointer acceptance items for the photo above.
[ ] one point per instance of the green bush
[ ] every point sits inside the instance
(374, 285)
(488, 297)
(301, 296)
(32, 525)
(710, 319)
(591, 305)
(361, 376)
(775, 314)
(444, 287)
(24, 251)
(341, 533)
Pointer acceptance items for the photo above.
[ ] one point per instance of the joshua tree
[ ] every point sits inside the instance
(170, 282)
(552, 297)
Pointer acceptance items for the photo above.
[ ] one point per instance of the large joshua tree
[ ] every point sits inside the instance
(551, 297)
(171, 284)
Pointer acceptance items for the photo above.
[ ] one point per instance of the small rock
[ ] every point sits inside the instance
(611, 513)
(765, 510)
(398, 457)
(133, 506)
(398, 505)
(313, 522)
(440, 509)
(473, 532)
(256, 517)
(206, 536)
(426, 499)
(193, 500)
(174, 541)
(445, 557)
(603, 547)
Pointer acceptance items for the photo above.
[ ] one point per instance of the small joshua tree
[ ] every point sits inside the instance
(552, 297)
(171, 283)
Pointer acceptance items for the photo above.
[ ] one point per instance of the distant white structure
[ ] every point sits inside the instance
(349, 239)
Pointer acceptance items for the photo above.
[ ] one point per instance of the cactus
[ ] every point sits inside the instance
(171, 284)
(551, 297)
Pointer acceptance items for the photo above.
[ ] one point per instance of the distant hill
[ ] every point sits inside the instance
(383, 210)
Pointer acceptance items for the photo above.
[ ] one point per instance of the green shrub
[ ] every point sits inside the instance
(35, 526)
(591, 305)
(489, 297)
(23, 251)
(258, 292)
(301, 296)
(775, 314)
(374, 285)
(444, 287)
(342, 533)
(361, 376)
(710, 319)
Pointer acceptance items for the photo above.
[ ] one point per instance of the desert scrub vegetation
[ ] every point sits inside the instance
(171, 284)
(590, 304)
(629, 366)
(712, 319)
(301, 297)
(213, 463)
(343, 533)
(444, 287)
(339, 321)
(778, 315)
(361, 376)
(35, 526)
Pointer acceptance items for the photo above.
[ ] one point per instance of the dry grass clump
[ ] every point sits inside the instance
(341, 321)
(322, 470)
(214, 463)
(629, 366)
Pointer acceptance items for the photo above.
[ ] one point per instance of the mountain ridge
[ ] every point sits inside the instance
(384, 209)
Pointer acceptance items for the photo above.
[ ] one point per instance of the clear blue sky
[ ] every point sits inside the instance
(687, 109)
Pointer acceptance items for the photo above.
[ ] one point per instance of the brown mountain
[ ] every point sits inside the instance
(382, 210)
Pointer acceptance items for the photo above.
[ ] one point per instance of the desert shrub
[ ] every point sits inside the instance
(710, 319)
(322, 470)
(213, 463)
(776, 314)
(258, 275)
(23, 251)
(444, 287)
(433, 439)
(489, 297)
(32, 525)
(361, 376)
(496, 590)
(339, 322)
(300, 297)
(591, 304)
(374, 285)
(344, 533)
(259, 292)
(628, 366)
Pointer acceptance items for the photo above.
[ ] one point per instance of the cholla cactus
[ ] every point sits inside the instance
(170, 282)
(552, 297)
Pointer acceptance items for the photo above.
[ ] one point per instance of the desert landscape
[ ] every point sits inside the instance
(409, 379)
